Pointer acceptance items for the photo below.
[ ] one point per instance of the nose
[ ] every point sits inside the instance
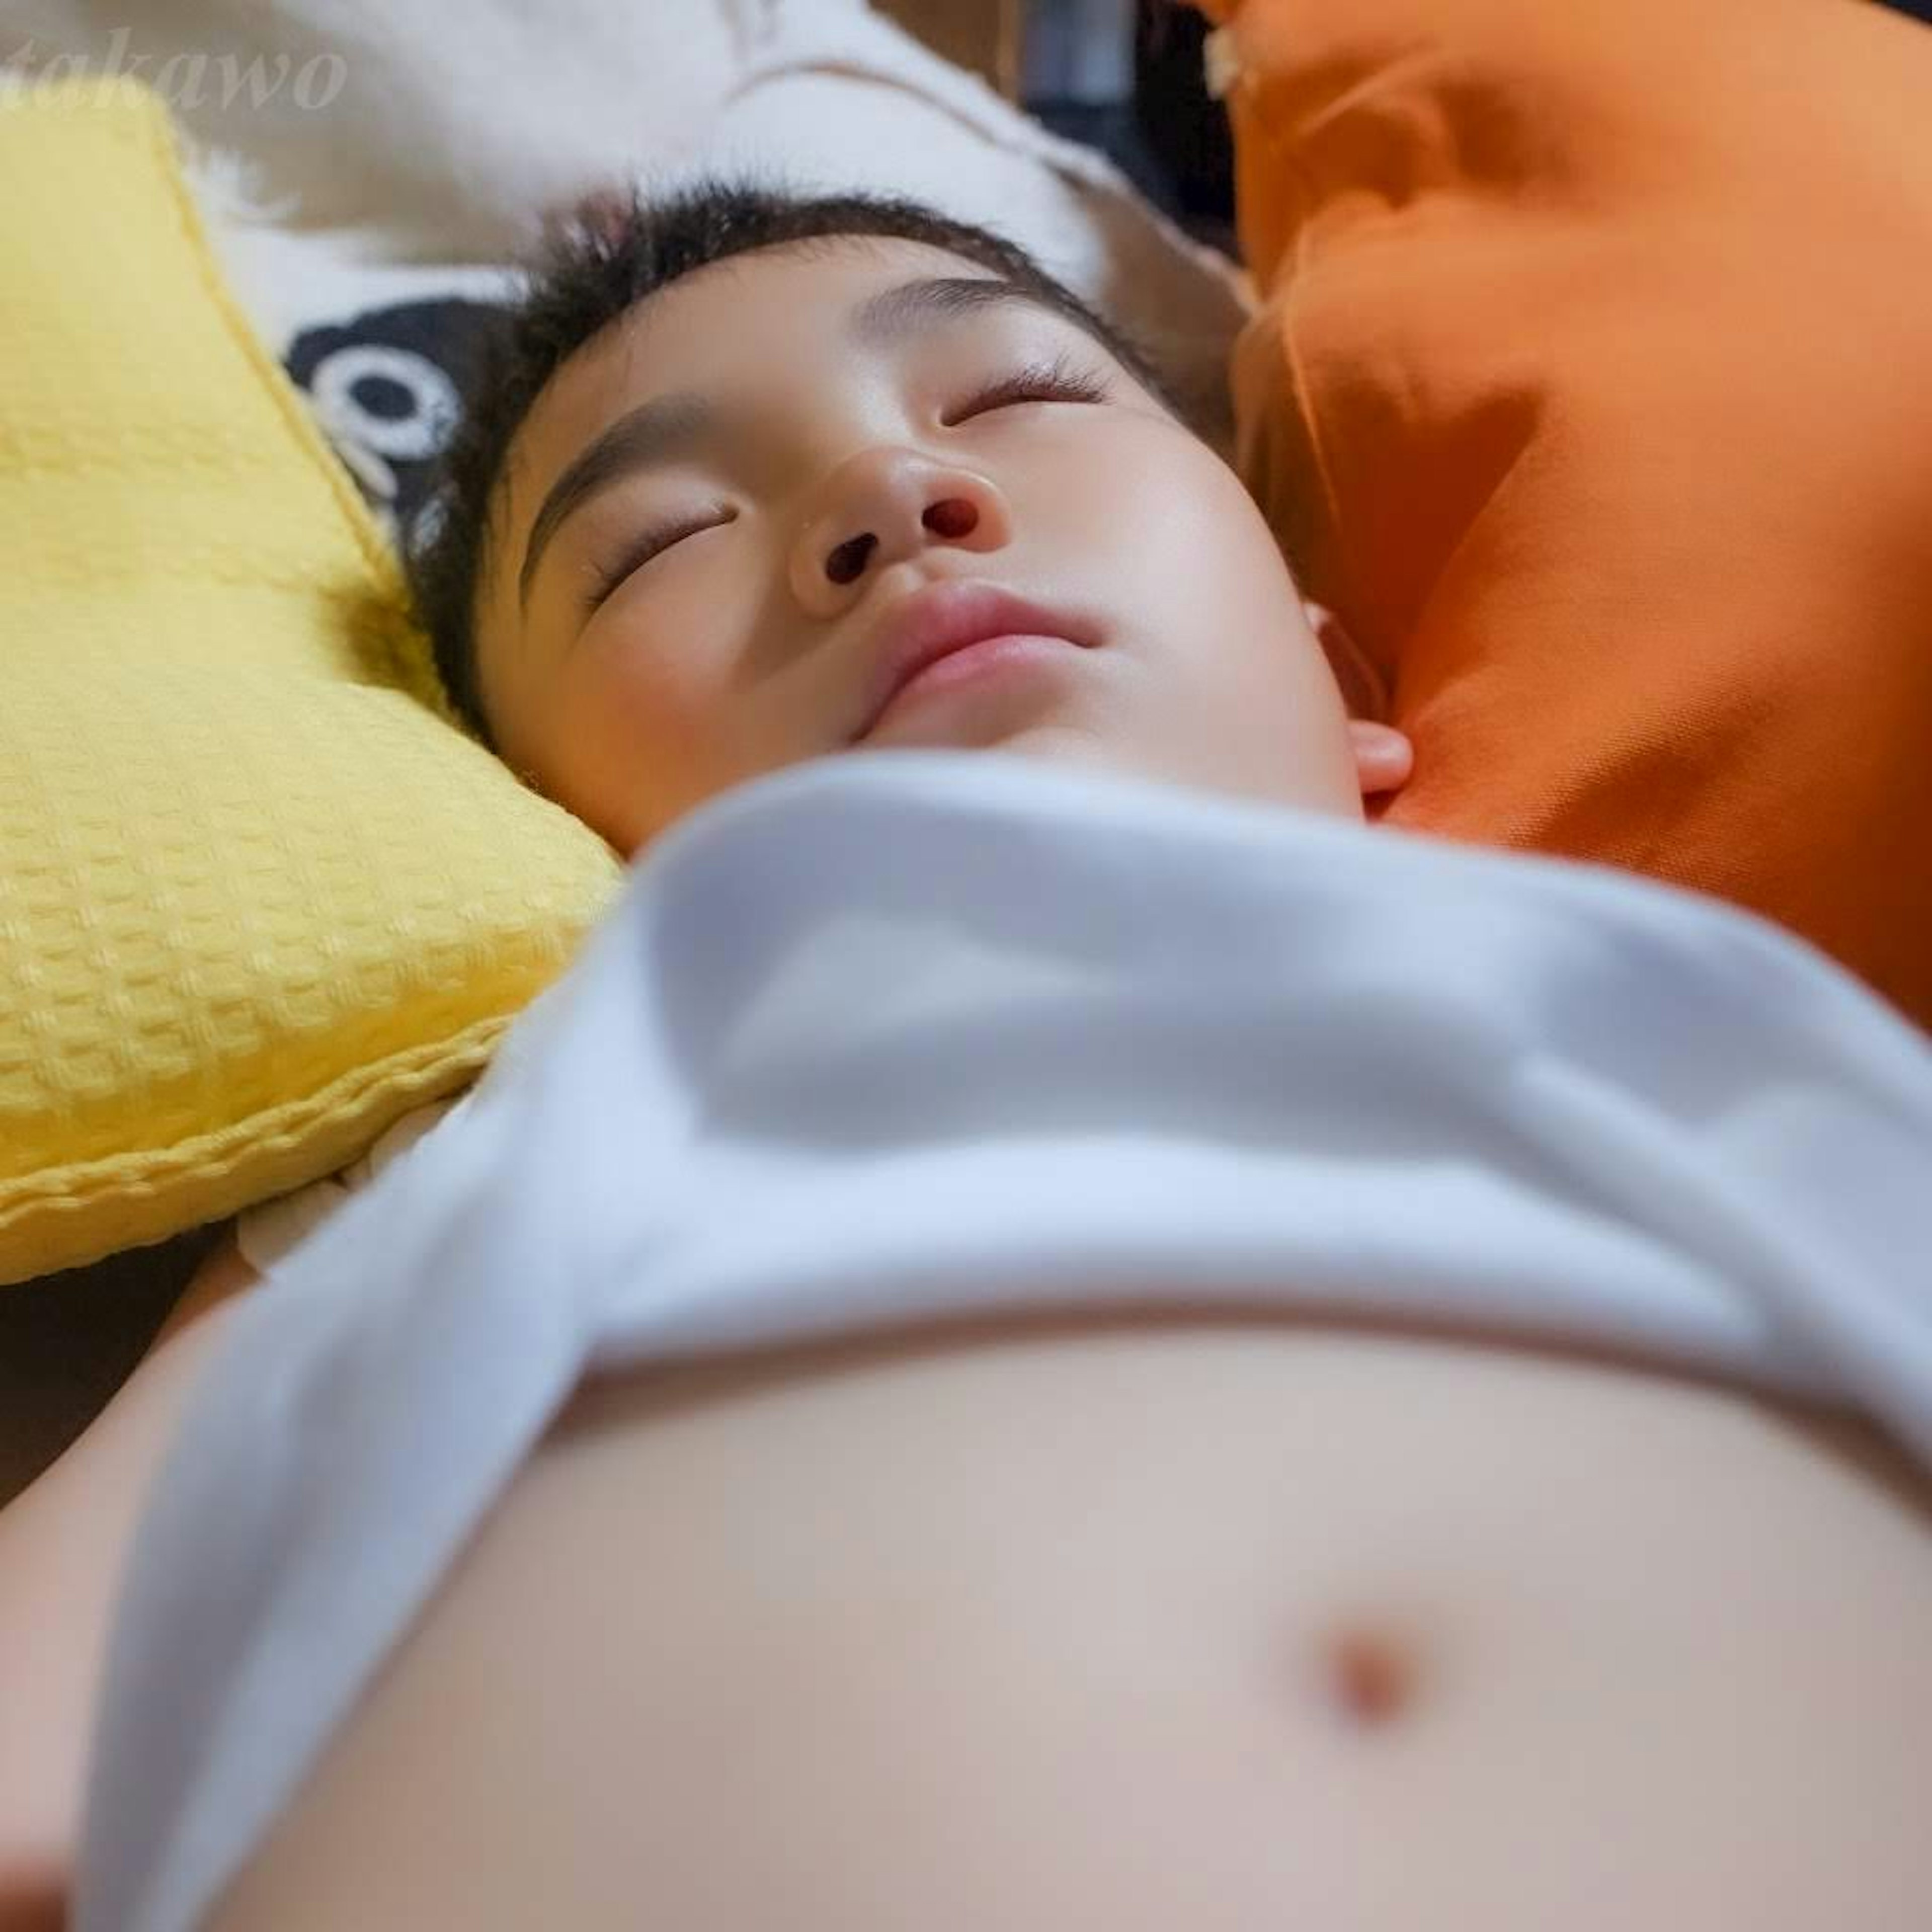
(886, 506)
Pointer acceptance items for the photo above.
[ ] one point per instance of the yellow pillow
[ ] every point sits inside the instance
(258, 895)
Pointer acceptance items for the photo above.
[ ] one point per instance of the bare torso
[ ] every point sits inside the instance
(1142, 1624)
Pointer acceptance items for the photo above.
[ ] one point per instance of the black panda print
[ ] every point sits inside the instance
(385, 386)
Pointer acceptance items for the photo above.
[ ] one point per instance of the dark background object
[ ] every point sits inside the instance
(1186, 129)
(68, 1341)
(1142, 103)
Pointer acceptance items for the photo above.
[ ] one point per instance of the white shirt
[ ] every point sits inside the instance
(908, 1033)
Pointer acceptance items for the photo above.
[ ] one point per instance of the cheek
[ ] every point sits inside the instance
(630, 723)
(631, 684)
(1184, 535)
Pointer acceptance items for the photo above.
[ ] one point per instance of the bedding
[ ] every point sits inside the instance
(258, 896)
(432, 133)
(1593, 390)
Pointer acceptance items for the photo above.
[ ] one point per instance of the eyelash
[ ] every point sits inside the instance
(1061, 380)
(605, 577)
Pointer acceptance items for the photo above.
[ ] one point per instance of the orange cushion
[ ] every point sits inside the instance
(1593, 389)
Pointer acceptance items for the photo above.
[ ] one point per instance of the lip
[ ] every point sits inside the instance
(943, 618)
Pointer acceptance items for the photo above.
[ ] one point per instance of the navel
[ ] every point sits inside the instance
(1372, 1676)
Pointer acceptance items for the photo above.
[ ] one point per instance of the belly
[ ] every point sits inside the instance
(1146, 1625)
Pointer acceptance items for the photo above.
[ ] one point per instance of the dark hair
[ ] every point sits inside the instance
(615, 251)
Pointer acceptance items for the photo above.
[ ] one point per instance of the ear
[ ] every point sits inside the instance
(1384, 757)
(1363, 689)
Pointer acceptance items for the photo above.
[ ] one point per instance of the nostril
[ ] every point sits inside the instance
(952, 516)
(847, 564)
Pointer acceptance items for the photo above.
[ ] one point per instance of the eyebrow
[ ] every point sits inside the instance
(903, 309)
(654, 432)
(668, 426)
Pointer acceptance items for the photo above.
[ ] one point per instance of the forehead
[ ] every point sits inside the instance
(764, 312)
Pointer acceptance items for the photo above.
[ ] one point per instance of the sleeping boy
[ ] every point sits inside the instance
(876, 447)
(1048, 1438)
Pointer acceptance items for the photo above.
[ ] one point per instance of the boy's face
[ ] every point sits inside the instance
(831, 473)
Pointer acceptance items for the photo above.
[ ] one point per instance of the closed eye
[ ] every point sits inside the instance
(605, 576)
(1060, 380)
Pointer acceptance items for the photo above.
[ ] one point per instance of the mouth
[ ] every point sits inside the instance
(943, 619)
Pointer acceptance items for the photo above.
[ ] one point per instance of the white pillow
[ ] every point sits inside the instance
(438, 130)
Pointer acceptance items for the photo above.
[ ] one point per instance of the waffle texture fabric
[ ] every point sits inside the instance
(259, 896)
